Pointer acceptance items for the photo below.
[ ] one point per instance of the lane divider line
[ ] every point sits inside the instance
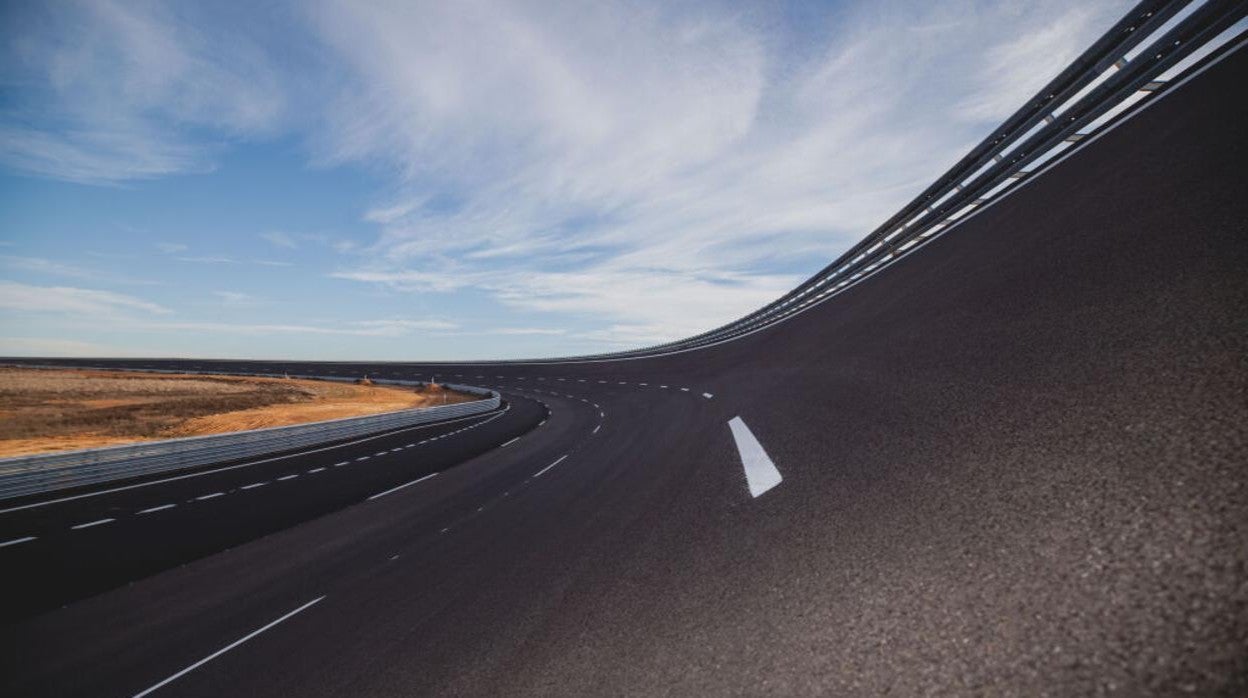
(15, 541)
(213, 471)
(557, 462)
(760, 473)
(210, 496)
(89, 524)
(406, 484)
(229, 647)
(162, 507)
(510, 442)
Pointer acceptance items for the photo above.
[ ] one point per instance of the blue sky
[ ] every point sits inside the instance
(477, 179)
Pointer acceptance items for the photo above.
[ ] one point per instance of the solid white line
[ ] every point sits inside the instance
(539, 473)
(510, 442)
(492, 417)
(288, 477)
(760, 472)
(210, 496)
(227, 648)
(162, 507)
(253, 485)
(91, 523)
(15, 541)
(708, 396)
(408, 484)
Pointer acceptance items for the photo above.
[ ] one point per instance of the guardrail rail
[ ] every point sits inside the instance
(37, 474)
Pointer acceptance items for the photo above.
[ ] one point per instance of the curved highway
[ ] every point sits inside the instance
(1012, 464)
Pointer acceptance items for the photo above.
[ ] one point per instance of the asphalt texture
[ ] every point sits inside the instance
(1013, 464)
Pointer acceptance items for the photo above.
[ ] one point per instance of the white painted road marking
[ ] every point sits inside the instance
(15, 541)
(210, 496)
(708, 396)
(539, 473)
(89, 524)
(510, 442)
(407, 484)
(760, 472)
(227, 648)
(597, 428)
(248, 464)
(162, 507)
(315, 470)
(288, 477)
(253, 485)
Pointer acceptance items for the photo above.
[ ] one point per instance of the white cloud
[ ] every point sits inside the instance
(121, 83)
(280, 239)
(656, 186)
(217, 259)
(79, 301)
(652, 170)
(39, 265)
(45, 346)
(522, 331)
(1020, 63)
(235, 298)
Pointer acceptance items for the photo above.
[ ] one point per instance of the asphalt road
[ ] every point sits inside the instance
(1012, 464)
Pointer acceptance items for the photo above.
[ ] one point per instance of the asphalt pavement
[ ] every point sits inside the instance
(1012, 464)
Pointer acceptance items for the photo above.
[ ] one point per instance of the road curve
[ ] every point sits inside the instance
(1013, 463)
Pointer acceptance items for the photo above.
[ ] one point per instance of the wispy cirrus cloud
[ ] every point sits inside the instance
(21, 297)
(118, 85)
(700, 167)
(217, 259)
(52, 267)
(671, 183)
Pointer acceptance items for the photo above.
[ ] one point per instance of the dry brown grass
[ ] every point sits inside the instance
(56, 410)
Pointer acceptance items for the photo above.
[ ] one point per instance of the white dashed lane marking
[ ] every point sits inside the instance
(155, 509)
(15, 541)
(89, 524)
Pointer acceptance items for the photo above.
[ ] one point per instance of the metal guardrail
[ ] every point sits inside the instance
(1118, 75)
(37, 474)
(1064, 112)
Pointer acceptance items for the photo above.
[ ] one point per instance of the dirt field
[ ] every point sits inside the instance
(53, 410)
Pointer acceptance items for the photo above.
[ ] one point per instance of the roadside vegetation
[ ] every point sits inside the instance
(43, 410)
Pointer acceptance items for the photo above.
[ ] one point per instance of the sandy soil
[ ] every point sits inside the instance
(56, 410)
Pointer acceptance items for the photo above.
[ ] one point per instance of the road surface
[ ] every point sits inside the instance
(1014, 463)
